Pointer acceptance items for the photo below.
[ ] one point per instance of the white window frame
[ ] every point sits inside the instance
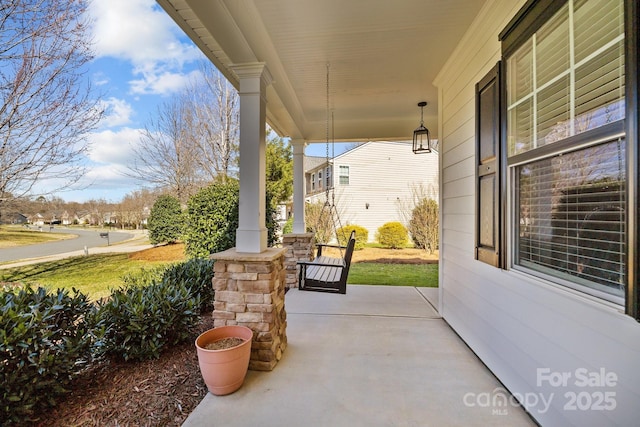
(341, 169)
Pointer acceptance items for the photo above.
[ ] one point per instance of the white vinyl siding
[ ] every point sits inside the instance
(516, 323)
(380, 174)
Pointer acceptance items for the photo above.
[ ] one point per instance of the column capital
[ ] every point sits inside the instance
(253, 70)
(298, 145)
(299, 141)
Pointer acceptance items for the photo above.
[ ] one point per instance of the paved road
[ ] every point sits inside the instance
(90, 239)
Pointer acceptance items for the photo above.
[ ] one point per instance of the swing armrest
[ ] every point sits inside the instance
(324, 245)
(320, 264)
(319, 246)
(331, 246)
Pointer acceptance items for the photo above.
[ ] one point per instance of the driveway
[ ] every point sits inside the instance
(85, 238)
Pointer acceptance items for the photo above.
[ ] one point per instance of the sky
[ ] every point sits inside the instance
(142, 58)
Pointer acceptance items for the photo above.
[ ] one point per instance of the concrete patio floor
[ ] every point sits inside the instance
(377, 356)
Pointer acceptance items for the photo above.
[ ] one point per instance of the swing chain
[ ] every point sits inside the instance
(327, 138)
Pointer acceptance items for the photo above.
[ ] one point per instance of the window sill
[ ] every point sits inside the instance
(536, 279)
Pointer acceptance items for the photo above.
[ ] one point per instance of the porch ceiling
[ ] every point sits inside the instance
(383, 57)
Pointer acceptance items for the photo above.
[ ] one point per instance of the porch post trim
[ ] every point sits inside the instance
(299, 183)
(251, 235)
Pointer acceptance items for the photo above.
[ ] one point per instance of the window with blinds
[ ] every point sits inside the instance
(572, 216)
(565, 97)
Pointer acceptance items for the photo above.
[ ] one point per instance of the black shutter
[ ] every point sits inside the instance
(488, 170)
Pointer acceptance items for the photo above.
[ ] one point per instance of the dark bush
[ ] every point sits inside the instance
(212, 220)
(197, 275)
(45, 341)
(362, 235)
(393, 235)
(165, 221)
(139, 322)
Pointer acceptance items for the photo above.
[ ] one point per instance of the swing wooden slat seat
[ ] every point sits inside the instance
(327, 274)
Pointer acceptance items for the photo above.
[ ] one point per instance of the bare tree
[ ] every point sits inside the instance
(215, 105)
(421, 215)
(46, 103)
(97, 210)
(193, 139)
(167, 156)
(135, 207)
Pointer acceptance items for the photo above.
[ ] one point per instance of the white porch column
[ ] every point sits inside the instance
(251, 235)
(299, 184)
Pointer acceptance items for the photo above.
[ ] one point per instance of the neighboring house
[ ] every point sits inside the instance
(36, 219)
(69, 218)
(373, 183)
(15, 218)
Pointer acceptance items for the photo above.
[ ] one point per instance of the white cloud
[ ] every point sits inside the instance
(136, 30)
(155, 82)
(117, 112)
(100, 79)
(114, 147)
(107, 176)
(140, 32)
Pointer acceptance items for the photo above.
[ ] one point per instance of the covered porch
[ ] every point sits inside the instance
(379, 355)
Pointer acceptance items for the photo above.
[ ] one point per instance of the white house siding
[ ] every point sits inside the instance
(381, 174)
(515, 323)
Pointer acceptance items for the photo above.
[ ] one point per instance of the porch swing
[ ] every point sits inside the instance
(325, 273)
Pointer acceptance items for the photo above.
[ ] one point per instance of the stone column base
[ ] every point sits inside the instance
(299, 247)
(249, 291)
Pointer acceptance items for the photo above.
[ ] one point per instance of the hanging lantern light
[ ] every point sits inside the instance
(421, 140)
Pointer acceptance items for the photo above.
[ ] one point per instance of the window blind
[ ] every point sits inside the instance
(572, 216)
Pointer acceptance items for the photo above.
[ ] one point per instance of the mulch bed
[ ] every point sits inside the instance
(159, 392)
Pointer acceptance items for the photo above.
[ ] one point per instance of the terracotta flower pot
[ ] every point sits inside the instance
(224, 370)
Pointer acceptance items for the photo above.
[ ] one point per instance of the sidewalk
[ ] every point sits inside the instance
(377, 356)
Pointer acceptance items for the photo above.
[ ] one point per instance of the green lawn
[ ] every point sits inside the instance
(367, 273)
(94, 275)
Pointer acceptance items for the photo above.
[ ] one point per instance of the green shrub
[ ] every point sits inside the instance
(212, 220)
(287, 228)
(139, 322)
(165, 221)
(197, 275)
(392, 235)
(362, 235)
(45, 341)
